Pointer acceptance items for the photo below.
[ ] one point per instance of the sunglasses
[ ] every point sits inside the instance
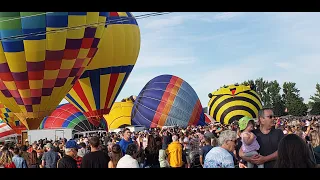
(271, 116)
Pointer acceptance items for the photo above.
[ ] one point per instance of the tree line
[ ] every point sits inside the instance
(288, 101)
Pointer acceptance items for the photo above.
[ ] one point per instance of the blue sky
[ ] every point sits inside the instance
(211, 49)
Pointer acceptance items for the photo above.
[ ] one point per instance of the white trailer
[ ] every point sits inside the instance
(49, 134)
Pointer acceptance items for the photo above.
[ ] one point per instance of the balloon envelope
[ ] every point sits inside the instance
(67, 116)
(41, 57)
(11, 119)
(120, 114)
(97, 89)
(167, 100)
(5, 131)
(231, 103)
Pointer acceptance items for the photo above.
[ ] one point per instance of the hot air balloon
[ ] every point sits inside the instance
(208, 118)
(67, 116)
(99, 86)
(167, 100)
(231, 103)
(120, 114)
(6, 132)
(41, 57)
(11, 119)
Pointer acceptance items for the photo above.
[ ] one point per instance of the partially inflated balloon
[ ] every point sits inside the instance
(5, 131)
(231, 103)
(120, 114)
(167, 100)
(11, 119)
(41, 57)
(97, 89)
(67, 116)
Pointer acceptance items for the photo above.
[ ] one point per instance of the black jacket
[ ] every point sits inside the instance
(67, 162)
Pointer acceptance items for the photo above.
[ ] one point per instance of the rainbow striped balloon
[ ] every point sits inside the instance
(167, 100)
(67, 116)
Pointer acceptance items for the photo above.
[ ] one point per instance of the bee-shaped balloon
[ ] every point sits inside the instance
(230, 103)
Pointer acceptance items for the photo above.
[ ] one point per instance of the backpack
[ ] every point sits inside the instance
(195, 161)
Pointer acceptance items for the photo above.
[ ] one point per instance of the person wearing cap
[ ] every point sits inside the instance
(250, 145)
(49, 158)
(68, 160)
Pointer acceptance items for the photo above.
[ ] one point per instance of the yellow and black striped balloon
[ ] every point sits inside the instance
(232, 102)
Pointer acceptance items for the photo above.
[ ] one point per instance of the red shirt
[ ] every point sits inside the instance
(79, 160)
(11, 165)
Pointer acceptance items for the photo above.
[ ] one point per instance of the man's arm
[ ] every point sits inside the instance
(43, 160)
(263, 159)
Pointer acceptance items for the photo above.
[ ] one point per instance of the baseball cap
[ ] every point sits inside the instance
(48, 145)
(72, 144)
(243, 122)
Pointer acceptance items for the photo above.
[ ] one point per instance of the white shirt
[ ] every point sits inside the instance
(127, 162)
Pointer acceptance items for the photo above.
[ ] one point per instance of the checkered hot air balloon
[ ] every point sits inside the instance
(97, 89)
(231, 103)
(167, 100)
(6, 132)
(42, 54)
(11, 119)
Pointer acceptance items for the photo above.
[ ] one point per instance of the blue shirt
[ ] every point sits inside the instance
(124, 144)
(218, 157)
(50, 158)
(19, 162)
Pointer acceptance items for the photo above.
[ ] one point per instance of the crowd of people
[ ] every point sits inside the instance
(268, 142)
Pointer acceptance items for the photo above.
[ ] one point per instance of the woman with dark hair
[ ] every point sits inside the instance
(152, 153)
(293, 152)
(34, 163)
(115, 156)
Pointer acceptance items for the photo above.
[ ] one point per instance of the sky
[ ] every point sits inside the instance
(209, 50)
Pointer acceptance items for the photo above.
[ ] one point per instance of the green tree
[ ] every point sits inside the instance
(315, 98)
(315, 108)
(275, 98)
(292, 100)
(262, 90)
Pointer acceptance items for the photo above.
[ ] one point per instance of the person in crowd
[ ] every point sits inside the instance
(95, 158)
(126, 140)
(163, 156)
(115, 156)
(6, 159)
(220, 157)
(34, 162)
(71, 151)
(268, 139)
(250, 145)
(174, 153)
(49, 158)
(128, 160)
(152, 153)
(18, 161)
(293, 152)
(24, 154)
(315, 145)
(205, 149)
(83, 150)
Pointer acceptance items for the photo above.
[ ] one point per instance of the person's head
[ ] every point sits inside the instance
(246, 124)
(71, 148)
(228, 140)
(293, 152)
(132, 150)
(83, 145)
(27, 142)
(6, 157)
(266, 118)
(175, 138)
(315, 138)
(34, 146)
(116, 154)
(16, 151)
(94, 142)
(126, 134)
(48, 146)
(24, 148)
(207, 140)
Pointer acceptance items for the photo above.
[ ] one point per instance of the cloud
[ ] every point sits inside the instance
(163, 61)
(283, 65)
(165, 22)
(227, 16)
